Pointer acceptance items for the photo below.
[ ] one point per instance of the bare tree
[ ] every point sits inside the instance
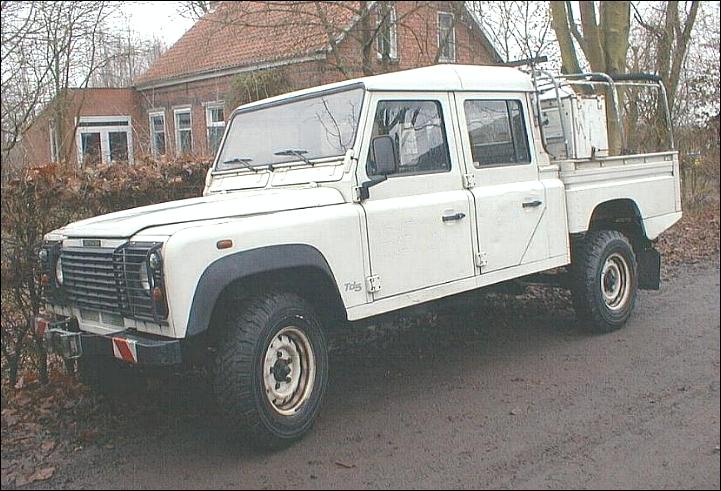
(23, 81)
(663, 40)
(195, 9)
(47, 48)
(603, 39)
(122, 57)
(519, 30)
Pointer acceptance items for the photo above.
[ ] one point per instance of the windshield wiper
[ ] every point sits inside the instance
(296, 153)
(245, 162)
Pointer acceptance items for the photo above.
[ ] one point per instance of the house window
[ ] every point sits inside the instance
(446, 37)
(215, 122)
(157, 133)
(183, 131)
(91, 147)
(104, 139)
(387, 37)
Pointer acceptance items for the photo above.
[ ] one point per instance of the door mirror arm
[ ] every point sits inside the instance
(385, 158)
(364, 189)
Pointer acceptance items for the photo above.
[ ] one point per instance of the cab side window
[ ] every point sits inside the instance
(418, 133)
(497, 132)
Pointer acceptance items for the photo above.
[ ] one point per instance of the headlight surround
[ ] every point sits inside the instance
(149, 271)
(59, 271)
(145, 280)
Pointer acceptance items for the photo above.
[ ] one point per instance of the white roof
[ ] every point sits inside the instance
(480, 78)
(452, 77)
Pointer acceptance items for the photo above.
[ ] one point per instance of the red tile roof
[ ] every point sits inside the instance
(246, 33)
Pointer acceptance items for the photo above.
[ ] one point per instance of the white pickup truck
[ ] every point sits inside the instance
(329, 206)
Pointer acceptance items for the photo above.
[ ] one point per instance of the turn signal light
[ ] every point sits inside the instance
(224, 244)
(45, 280)
(157, 294)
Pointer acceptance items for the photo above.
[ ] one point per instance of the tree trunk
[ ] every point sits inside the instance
(559, 22)
(604, 44)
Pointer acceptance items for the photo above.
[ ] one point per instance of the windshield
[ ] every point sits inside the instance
(311, 128)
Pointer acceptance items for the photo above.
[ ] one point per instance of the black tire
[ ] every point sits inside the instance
(592, 301)
(240, 388)
(106, 375)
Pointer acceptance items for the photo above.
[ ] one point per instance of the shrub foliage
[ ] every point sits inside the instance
(41, 199)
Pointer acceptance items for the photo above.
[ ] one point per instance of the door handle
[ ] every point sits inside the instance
(532, 204)
(450, 218)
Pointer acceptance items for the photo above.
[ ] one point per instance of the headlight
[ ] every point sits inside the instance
(154, 261)
(144, 279)
(59, 272)
(43, 254)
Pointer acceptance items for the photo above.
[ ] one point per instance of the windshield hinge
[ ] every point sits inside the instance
(357, 198)
(469, 181)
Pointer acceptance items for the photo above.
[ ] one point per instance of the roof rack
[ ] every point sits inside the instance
(544, 81)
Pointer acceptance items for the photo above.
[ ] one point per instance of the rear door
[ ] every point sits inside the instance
(419, 219)
(509, 198)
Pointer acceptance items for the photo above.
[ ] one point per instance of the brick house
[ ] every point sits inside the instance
(181, 103)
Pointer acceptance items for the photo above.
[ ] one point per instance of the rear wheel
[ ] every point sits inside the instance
(605, 280)
(271, 368)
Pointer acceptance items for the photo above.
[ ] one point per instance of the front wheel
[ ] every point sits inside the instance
(604, 279)
(271, 368)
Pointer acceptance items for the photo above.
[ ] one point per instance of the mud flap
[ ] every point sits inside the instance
(649, 269)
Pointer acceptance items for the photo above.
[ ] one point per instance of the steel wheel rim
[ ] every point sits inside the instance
(288, 370)
(615, 282)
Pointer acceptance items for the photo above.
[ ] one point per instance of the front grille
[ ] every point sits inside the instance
(89, 278)
(108, 279)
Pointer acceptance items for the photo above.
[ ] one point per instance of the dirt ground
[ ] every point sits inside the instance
(506, 392)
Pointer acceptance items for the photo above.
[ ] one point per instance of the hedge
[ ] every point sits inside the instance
(40, 199)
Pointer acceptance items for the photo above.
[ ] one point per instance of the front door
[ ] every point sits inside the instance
(419, 219)
(510, 199)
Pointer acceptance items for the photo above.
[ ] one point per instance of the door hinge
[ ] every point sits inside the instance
(481, 260)
(373, 283)
(469, 181)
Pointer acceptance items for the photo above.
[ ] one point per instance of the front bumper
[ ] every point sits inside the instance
(63, 338)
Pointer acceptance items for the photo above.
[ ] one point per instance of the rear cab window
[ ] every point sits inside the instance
(497, 132)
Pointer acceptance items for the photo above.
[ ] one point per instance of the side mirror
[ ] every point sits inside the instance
(384, 155)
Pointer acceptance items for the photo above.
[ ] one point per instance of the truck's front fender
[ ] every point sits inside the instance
(234, 267)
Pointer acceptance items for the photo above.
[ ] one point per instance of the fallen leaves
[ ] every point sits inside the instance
(40, 475)
(32, 419)
(693, 239)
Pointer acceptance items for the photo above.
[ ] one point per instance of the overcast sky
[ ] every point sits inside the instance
(156, 19)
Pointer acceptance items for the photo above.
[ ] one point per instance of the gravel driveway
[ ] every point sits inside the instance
(509, 393)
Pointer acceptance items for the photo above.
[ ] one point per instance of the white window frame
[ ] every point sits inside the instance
(181, 110)
(104, 131)
(153, 114)
(209, 106)
(54, 150)
(451, 41)
(393, 52)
